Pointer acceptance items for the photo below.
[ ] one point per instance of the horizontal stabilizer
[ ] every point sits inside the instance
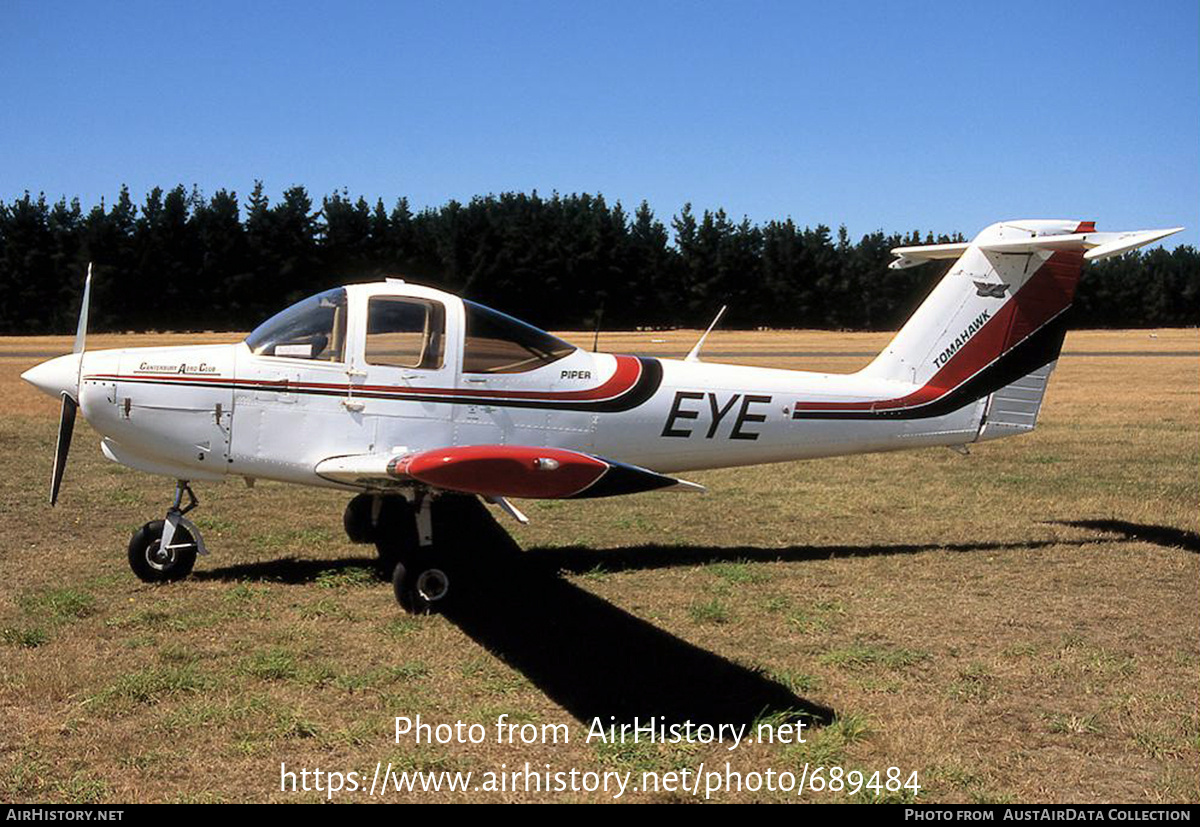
(502, 471)
(1116, 243)
(1095, 244)
(912, 256)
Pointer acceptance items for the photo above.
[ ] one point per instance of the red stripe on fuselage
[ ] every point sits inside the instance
(626, 375)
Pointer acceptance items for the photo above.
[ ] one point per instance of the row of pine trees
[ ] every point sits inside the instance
(182, 260)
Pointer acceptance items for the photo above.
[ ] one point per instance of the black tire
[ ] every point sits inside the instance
(400, 587)
(356, 519)
(468, 543)
(152, 567)
(421, 590)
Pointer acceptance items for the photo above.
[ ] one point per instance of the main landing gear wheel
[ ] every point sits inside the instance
(447, 568)
(420, 589)
(154, 564)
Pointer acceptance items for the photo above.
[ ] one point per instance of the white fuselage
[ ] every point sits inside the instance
(205, 412)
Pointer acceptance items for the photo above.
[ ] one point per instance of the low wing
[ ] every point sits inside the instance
(502, 471)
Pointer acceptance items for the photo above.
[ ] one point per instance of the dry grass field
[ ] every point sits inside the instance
(1017, 625)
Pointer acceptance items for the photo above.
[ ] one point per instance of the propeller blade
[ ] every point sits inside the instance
(81, 330)
(66, 425)
(66, 419)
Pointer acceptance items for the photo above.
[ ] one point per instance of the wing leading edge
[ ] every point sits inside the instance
(503, 471)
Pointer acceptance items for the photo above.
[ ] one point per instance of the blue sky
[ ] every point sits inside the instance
(899, 116)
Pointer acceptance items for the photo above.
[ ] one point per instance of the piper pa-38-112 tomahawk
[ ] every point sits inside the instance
(410, 395)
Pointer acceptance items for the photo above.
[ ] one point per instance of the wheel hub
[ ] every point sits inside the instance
(433, 584)
(159, 557)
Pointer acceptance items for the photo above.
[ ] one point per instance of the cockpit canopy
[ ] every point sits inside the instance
(314, 328)
(498, 343)
(406, 331)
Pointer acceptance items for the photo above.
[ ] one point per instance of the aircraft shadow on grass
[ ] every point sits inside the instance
(597, 660)
(1159, 535)
(593, 658)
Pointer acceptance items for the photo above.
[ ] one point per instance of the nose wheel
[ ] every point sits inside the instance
(153, 562)
(165, 550)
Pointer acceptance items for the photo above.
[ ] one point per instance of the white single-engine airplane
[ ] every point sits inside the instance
(405, 394)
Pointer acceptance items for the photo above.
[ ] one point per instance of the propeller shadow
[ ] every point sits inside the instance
(291, 571)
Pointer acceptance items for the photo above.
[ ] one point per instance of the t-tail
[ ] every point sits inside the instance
(993, 327)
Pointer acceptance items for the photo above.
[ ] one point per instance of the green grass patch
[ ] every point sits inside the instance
(975, 683)
(492, 677)
(24, 637)
(59, 605)
(274, 664)
(326, 607)
(247, 593)
(151, 685)
(401, 627)
(777, 604)
(862, 655)
(797, 682)
(597, 574)
(1066, 724)
(827, 745)
(179, 654)
(642, 755)
(739, 572)
(710, 612)
(347, 577)
(124, 496)
(213, 712)
(381, 676)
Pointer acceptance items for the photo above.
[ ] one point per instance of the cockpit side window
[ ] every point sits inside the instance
(498, 343)
(406, 333)
(314, 328)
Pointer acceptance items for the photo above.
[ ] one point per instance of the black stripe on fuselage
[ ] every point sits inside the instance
(648, 382)
(1037, 350)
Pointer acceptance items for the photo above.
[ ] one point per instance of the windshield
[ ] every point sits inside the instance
(497, 343)
(311, 329)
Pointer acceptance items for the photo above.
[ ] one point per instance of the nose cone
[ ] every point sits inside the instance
(57, 376)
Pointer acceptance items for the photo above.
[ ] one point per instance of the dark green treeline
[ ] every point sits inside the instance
(185, 261)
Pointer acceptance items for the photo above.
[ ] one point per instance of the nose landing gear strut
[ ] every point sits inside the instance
(165, 550)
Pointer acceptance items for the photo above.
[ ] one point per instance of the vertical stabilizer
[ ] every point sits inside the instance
(993, 327)
(989, 302)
